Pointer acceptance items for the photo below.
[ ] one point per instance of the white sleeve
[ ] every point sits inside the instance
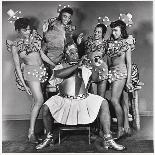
(54, 80)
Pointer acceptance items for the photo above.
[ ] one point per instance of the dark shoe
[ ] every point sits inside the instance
(47, 141)
(110, 143)
(32, 138)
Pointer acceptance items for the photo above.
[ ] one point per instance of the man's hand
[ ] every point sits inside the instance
(83, 60)
(52, 66)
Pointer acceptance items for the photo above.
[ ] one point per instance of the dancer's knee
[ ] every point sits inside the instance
(39, 101)
(105, 106)
(114, 101)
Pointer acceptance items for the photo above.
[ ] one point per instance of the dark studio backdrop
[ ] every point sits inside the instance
(16, 104)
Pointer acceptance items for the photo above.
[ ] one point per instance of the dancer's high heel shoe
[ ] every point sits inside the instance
(128, 132)
(121, 133)
(48, 141)
(32, 138)
(108, 142)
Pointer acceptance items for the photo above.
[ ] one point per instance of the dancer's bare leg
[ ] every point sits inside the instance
(101, 88)
(117, 88)
(36, 90)
(125, 107)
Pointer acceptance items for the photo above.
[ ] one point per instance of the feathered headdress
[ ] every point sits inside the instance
(104, 21)
(61, 7)
(127, 19)
(13, 16)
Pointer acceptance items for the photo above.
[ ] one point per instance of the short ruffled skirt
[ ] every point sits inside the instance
(71, 111)
(118, 72)
(35, 73)
(99, 74)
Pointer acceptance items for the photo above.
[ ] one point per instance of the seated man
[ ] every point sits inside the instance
(74, 105)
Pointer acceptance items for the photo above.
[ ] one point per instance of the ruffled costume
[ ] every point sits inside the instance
(55, 39)
(30, 72)
(73, 110)
(116, 49)
(35, 73)
(96, 52)
(118, 72)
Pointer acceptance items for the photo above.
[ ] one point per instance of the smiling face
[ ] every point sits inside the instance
(72, 53)
(25, 32)
(116, 32)
(98, 33)
(65, 18)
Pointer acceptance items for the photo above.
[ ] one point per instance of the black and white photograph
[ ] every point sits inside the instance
(77, 77)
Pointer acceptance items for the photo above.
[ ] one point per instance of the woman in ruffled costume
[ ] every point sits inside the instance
(95, 50)
(119, 50)
(57, 33)
(27, 51)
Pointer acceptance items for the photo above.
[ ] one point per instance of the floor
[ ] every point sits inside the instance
(14, 137)
(18, 129)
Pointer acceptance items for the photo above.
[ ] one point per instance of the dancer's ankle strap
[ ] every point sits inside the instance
(49, 135)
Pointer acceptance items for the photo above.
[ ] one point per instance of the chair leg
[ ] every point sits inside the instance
(136, 110)
(59, 136)
(44, 131)
(89, 135)
(46, 94)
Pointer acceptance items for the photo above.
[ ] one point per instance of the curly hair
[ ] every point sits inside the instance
(21, 23)
(104, 29)
(122, 26)
(68, 10)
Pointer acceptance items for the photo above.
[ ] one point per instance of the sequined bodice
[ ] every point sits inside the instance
(118, 47)
(33, 44)
(92, 45)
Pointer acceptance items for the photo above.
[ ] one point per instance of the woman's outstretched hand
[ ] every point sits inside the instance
(45, 26)
(79, 39)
